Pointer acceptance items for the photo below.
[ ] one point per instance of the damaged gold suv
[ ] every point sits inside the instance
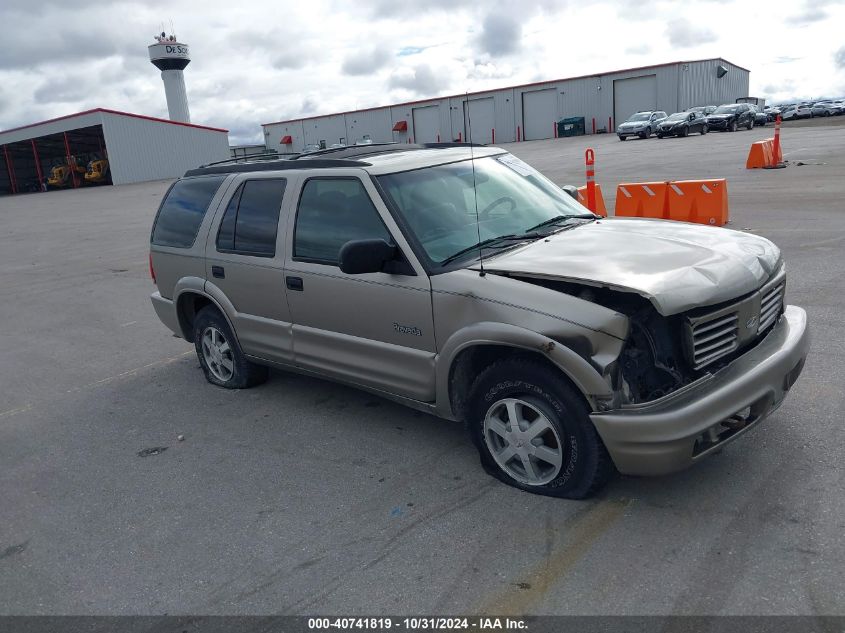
(460, 281)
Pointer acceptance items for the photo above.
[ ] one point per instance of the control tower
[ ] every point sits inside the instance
(171, 57)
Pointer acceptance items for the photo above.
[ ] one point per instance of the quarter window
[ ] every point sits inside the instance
(333, 211)
(251, 220)
(182, 211)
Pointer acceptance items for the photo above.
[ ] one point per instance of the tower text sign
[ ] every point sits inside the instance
(161, 51)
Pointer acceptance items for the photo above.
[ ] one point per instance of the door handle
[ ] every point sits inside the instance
(294, 283)
(217, 271)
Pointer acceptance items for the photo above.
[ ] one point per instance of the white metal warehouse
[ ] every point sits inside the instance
(137, 148)
(525, 112)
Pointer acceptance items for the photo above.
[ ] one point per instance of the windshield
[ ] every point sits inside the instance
(438, 203)
(678, 116)
(640, 116)
(726, 109)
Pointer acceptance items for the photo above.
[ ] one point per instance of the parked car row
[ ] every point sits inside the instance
(807, 110)
(699, 119)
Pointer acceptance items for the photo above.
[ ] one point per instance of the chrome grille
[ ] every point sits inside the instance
(771, 305)
(735, 326)
(714, 338)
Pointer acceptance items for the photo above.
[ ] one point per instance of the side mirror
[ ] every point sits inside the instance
(571, 190)
(365, 256)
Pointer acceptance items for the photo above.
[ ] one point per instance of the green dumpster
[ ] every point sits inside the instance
(573, 126)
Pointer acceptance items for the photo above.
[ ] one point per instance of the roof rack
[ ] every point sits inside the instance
(348, 156)
(372, 149)
(332, 150)
(274, 165)
(259, 156)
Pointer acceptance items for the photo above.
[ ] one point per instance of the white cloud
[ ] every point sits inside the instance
(264, 61)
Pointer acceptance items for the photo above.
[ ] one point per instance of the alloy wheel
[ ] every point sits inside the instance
(523, 442)
(218, 354)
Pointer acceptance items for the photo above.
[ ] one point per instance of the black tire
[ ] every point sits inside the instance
(750, 125)
(704, 129)
(659, 135)
(623, 138)
(244, 374)
(646, 134)
(685, 132)
(585, 464)
(732, 126)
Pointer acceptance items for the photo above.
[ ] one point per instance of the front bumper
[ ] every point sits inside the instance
(166, 311)
(676, 431)
(718, 124)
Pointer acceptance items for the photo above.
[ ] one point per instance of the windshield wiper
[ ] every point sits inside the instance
(561, 218)
(489, 243)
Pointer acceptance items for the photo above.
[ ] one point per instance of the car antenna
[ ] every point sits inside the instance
(474, 186)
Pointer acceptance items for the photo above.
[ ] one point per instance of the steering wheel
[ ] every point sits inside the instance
(434, 233)
(485, 213)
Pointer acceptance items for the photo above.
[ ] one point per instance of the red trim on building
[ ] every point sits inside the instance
(119, 113)
(13, 184)
(286, 140)
(400, 126)
(71, 161)
(529, 85)
(37, 165)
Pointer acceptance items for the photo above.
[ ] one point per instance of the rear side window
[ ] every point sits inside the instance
(251, 220)
(182, 211)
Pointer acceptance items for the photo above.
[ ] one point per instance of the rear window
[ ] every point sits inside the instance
(182, 211)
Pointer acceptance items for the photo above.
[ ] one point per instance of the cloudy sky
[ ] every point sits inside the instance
(258, 61)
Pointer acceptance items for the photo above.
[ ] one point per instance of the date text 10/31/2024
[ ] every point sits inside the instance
(418, 623)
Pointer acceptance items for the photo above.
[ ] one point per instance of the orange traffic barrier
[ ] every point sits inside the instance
(601, 209)
(765, 154)
(642, 200)
(700, 201)
(760, 155)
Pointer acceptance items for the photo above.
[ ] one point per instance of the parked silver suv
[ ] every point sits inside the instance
(462, 282)
(642, 124)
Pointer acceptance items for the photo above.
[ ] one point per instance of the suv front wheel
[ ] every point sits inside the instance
(220, 355)
(532, 431)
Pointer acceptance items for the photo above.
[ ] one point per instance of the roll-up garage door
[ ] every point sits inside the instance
(633, 95)
(539, 113)
(426, 124)
(481, 113)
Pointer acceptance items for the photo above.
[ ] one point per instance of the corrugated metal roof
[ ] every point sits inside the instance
(528, 85)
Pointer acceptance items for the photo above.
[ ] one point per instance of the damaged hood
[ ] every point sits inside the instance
(678, 266)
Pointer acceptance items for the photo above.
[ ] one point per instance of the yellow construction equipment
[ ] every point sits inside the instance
(98, 171)
(61, 175)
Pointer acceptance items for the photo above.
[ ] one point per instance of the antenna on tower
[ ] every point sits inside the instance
(173, 31)
(474, 185)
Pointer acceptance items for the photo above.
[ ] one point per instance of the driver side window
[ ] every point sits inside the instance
(333, 211)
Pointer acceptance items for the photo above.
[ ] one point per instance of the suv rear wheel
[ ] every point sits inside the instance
(220, 356)
(532, 431)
